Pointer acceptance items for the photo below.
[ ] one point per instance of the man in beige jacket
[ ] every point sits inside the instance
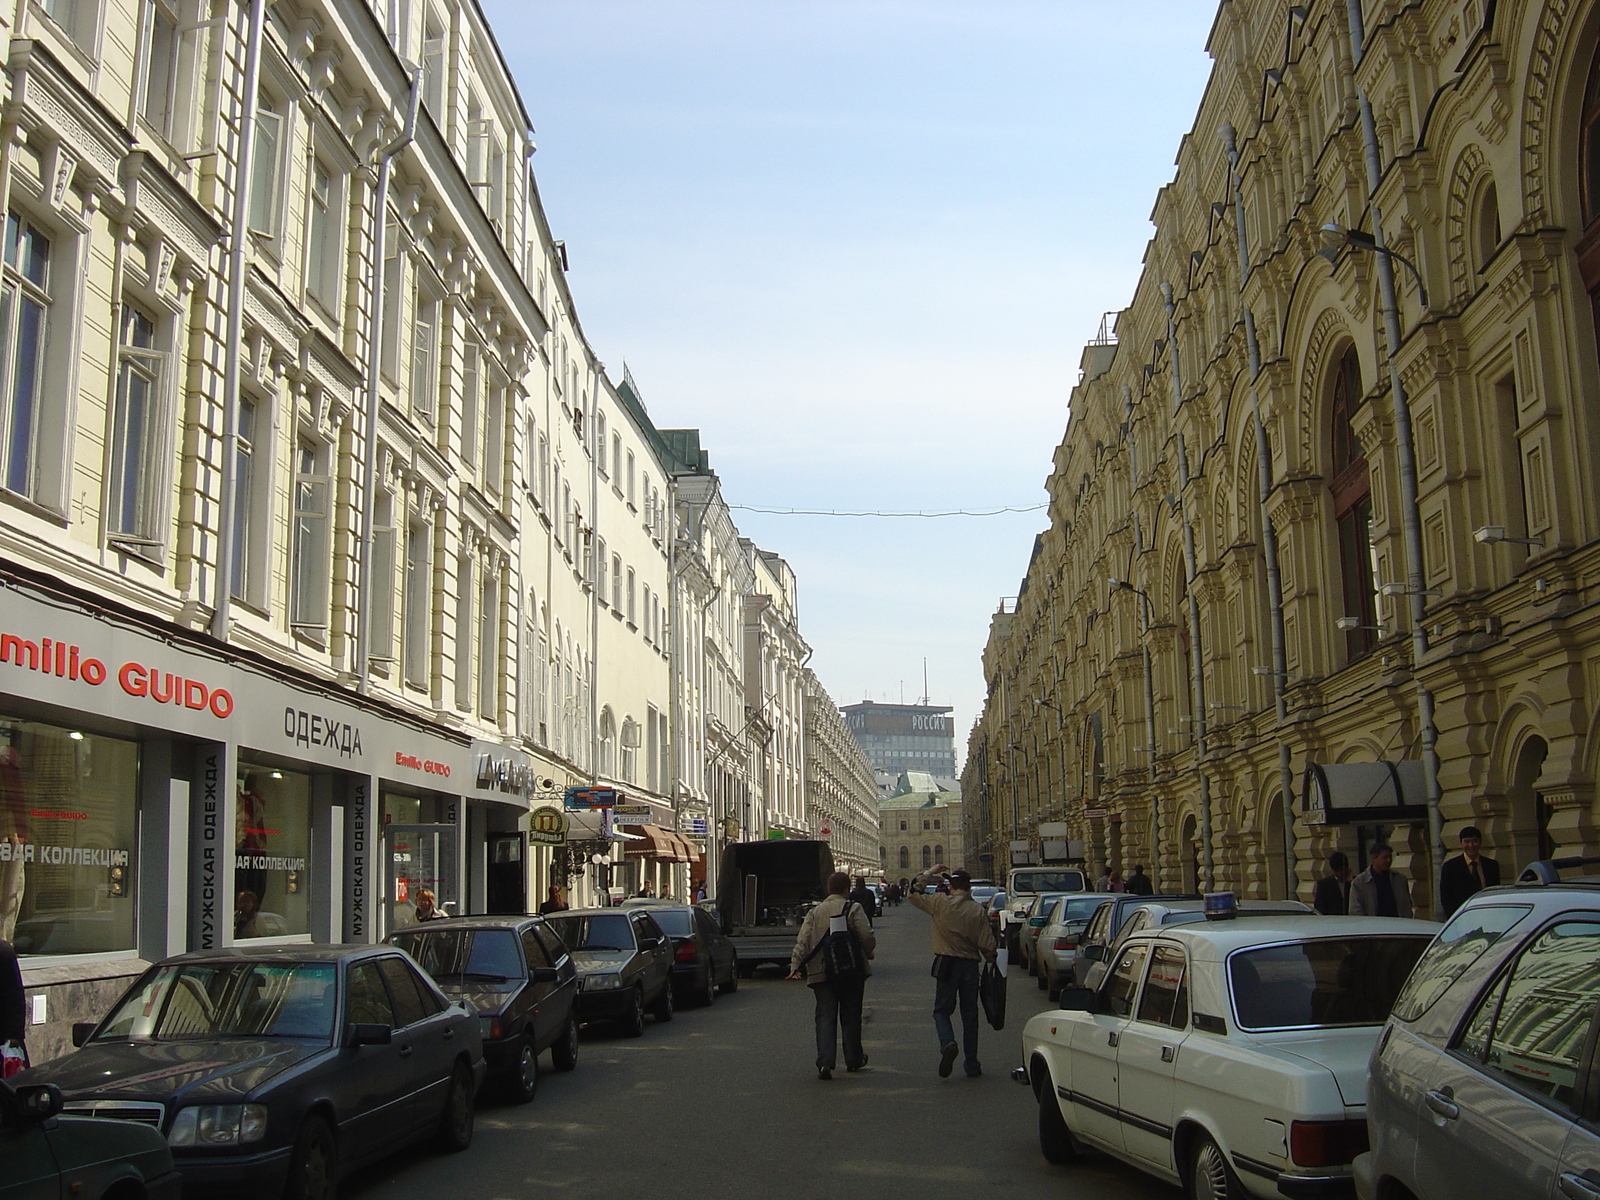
(962, 939)
(838, 1000)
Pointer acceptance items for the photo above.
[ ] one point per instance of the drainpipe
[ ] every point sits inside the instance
(1144, 611)
(1197, 676)
(227, 548)
(369, 495)
(1405, 458)
(1269, 534)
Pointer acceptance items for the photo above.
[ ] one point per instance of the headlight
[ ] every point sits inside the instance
(219, 1125)
(596, 983)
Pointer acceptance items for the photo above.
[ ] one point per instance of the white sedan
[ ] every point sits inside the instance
(1229, 1057)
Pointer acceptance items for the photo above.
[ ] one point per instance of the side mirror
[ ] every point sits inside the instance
(82, 1031)
(1077, 999)
(1095, 953)
(41, 1101)
(363, 1034)
(544, 975)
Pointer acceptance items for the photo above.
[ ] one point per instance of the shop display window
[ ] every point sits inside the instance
(68, 820)
(273, 853)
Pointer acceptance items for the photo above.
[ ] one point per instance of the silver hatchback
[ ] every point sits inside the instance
(1057, 947)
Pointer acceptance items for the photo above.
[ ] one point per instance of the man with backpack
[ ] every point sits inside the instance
(962, 940)
(832, 954)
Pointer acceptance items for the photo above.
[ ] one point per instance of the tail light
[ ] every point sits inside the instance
(687, 951)
(1066, 943)
(1327, 1143)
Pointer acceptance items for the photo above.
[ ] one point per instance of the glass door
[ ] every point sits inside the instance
(421, 874)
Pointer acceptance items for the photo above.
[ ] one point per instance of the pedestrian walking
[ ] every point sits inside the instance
(1380, 891)
(13, 1024)
(427, 908)
(962, 939)
(1115, 884)
(866, 897)
(1332, 895)
(1103, 883)
(1139, 883)
(1467, 874)
(832, 930)
(553, 902)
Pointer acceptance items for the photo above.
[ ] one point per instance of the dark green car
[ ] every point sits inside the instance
(48, 1156)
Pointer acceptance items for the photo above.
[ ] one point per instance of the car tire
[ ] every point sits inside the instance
(1053, 988)
(523, 1082)
(1056, 1142)
(314, 1164)
(706, 995)
(633, 1021)
(664, 1006)
(564, 1054)
(733, 979)
(1210, 1175)
(455, 1122)
(1042, 979)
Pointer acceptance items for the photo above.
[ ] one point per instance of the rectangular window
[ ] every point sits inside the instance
(489, 650)
(266, 167)
(24, 328)
(244, 493)
(380, 605)
(424, 352)
(544, 470)
(433, 69)
(471, 406)
(616, 456)
(601, 564)
(309, 554)
(633, 614)
(272, 843)
(630, 476)
(616, 582)
(169, 55)
(325, 238)
(394, 277)
(418, 602)
(464, 630)
(600, 442)
(135, 435)
(492, 453)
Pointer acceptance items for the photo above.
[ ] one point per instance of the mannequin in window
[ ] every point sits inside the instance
(14, 831)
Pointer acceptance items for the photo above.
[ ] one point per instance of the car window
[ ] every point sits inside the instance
(1080, 908)
(1460, 943)
(456, 953)
(601, 931)
(648, 927)
(1165, 999)
(534, 950)
(1328, 981)
(232, 999)
(368, 1001)
(552, 942)
(1531, 1026)
(1096, 932)
(708, 926)
(679, 922)
(1136, 922)
(1117, 996)
(404, 991)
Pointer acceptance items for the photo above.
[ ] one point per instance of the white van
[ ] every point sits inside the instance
(1024, 883)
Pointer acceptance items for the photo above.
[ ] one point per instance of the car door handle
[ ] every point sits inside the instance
(405, 1051)
(1576, 1187)
(449, 1033)
(1113, 1038)
(1447, 1108)
(1168, 1053)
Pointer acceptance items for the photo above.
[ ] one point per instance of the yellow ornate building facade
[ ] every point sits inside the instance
(1325, 496)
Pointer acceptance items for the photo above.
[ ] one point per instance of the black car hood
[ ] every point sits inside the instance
(479, 997)
(590, 961)
(203, 1070)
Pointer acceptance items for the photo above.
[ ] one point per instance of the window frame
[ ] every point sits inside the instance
(143, 536)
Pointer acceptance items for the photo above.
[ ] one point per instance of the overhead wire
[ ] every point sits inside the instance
(834, 512)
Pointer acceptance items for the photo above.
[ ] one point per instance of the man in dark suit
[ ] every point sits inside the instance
(1332, 897)
(863, 895)
(1466, 874)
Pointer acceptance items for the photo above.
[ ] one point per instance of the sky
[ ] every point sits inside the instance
(860, 245)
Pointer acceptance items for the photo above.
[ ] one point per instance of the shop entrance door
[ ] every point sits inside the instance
(507, 881)
(417, 857)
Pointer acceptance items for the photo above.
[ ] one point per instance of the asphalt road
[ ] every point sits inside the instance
(723, 1102)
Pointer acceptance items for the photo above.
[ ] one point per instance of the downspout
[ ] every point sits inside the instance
(1269, 534)
(369, 462)
(227, 548)
(1405, 458)
(1197, 678)
(1144, 612)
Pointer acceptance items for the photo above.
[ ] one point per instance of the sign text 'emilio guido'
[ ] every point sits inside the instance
(69, 662)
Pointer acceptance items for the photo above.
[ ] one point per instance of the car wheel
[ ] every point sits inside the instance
(662, 1009)
(1053, 987)
(633, 1020)
(564, 1054)
(455, 1123)
(1211, 1177)
(523, 1081)
(733, 979)
(707, 995)
(1056, 1142)
(314, 1166)
(1043, 981)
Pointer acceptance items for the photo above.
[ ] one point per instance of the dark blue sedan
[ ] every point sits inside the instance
(274, 1071)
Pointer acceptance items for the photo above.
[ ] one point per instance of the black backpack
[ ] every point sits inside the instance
(842, 960)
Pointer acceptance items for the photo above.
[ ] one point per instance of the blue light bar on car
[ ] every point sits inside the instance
(1221, 906)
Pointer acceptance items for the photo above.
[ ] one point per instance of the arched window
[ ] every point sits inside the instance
(1352, 509)
(905, 858)
(938, 853)
(1486, 224)
(1589, 174)
(608, 743)
(927, 857)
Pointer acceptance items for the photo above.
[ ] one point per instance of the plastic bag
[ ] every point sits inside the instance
(13, 1060)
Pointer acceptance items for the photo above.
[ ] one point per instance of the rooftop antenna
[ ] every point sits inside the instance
(925, 697)
(902, 691)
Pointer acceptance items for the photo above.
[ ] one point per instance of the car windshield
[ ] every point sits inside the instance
(1460, 944)
(982, 894)
(190, 1001)
(1048, 881)
(456, 954)
(1042, 905)
(675, 922)
(604, 931)
(1079, 908)
(1329, 981)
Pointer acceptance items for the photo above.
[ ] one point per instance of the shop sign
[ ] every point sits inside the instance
(62, 856)
(547, 826)
(634, 814)
(591, 797)
(696, 826)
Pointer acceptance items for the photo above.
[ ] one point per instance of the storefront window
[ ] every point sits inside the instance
(273, 843)
(68, 818)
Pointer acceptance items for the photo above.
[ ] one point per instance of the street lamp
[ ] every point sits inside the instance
(1335, 238)
(1491, 535)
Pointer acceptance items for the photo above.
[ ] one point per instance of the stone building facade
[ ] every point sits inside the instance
(1289, 518)
(841, 795)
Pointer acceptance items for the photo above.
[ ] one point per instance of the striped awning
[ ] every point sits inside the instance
(659, 843)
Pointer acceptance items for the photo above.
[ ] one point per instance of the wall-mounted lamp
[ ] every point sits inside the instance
(1490, 535)
(1269, 672)
(1401, 589)
(1335, 238)
(1351, 624)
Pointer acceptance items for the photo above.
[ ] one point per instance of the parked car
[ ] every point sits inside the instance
(1055, 943)
(624, 963)
(1183, 912)
(1485, 1082)
(1024, 883)
(47, 1156)
(1229, 1057)
(516, 974)
(1094, 945)
(996, 906)
(984, 890)
(274, 1070)
(1034, 918)
(704, 960)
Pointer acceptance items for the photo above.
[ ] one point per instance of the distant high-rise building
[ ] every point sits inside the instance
(905, 737)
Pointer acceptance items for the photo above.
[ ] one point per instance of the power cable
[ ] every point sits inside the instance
(834, 512)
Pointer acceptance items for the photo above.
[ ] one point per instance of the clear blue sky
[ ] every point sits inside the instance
(860, 244)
